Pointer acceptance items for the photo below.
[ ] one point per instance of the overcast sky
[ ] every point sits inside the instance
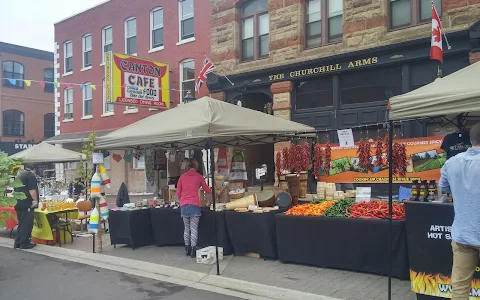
(30, 22)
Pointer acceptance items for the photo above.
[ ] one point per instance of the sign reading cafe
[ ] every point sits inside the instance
(134, 81)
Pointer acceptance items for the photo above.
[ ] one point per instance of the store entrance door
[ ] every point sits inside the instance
(257, 155)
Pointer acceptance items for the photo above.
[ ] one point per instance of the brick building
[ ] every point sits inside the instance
(27, 107)
(169, 31)
(333, 64)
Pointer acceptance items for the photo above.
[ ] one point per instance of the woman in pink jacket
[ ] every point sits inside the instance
(187, 191)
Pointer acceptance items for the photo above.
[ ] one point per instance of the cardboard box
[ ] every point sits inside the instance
(207, 255)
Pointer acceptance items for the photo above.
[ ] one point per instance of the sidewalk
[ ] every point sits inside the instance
(271, 275)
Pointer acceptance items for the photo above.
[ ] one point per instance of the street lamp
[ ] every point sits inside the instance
(188, 98)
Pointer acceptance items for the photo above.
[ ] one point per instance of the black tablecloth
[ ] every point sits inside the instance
(167, 226)
(253, 232)
(350, 244)
(132, 227)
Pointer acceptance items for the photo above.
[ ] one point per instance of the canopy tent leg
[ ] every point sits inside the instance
(390, 203)
(209, 145)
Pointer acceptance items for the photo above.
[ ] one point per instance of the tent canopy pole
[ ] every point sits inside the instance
(390, 203)
(209, 145)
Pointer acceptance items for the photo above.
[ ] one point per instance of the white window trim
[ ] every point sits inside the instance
(65, 73)
(152, 28)
(65, 98)
(104, 101)
(85, 86)
(180, 40)
(84, 68)
(126, 33)
(104, 43)
(130, 110)
(181, 76)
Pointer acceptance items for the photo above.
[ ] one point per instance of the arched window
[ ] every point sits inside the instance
(255, 30)
(13, 123)
(48, 125)
(48, 78)
(13, 72)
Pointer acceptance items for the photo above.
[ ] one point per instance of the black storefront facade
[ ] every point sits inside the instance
(351, 89)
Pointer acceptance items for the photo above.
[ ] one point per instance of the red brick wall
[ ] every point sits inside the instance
(32, 101)
(114, 13)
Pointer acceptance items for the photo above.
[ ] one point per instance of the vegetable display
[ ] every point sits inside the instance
(375, 210)
(328, 158)
(317, 160)
(364, 153)
(310, 209)
(379, 152)
(339, 209)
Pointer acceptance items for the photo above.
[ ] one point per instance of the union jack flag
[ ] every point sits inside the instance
(208, 67)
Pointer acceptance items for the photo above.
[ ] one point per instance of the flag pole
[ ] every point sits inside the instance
(223, 75)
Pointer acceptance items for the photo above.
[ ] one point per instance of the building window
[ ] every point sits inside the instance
(107, 41)
(68, 100)
(108, 107)
(87, 100)
(48, 125)
(71, 165)
(139, 163)
(156, 28)
(48, 79)
(15, 71)
(13, 123)
(323, 16)
(87, 50)
(187, 77)
(131, 36)
(186, 13)
(315, 93)
(68, 53)
(255, 30)
(373, 85)
(412, 12)
(107, 163)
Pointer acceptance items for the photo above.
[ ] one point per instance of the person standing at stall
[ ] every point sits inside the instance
(460, 176)
(24, 208)
(187, 191)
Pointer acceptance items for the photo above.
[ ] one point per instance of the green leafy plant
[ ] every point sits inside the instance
(84, 169)
(9, 168)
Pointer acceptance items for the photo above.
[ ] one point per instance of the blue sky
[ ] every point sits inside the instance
(30, 22)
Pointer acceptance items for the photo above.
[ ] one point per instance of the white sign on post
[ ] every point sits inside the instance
(259, 172)
(363, 194)
(345, 138)
(97, 158)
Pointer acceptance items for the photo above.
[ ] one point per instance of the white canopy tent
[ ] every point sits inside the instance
(47, 153)
(450, 96)
(189, 125)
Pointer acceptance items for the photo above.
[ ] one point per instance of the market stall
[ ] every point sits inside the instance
(205, 123)
(132, 228)
(454, 99)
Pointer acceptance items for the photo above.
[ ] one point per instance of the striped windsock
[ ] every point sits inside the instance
(95, 187)
(93, 226)
(103, 208)
(104, 176)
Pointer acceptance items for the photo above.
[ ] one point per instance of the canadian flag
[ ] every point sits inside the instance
(436, 50)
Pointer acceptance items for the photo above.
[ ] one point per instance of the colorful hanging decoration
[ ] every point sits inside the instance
(94, 218)
(104, 176)
(128, 158)
(95, 187)
(106, 154)
(116, 157)
(103, 208)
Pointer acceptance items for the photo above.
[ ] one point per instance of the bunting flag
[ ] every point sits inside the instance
(56, 84)
(116, 157)
(128, 158)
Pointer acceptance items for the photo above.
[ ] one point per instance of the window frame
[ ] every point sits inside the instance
(67, 104)
(22, 122)
(135, 163)
(415, 15)
(256, 36)
(105, 103)
(181, 20)
(153, 28)
(129, 37)
(104, 41)
(325, 25)
(20, 83)
(86, 86)
(188, 80)
(45, 130)
(86, 51)
(49, 87)
(66, 56)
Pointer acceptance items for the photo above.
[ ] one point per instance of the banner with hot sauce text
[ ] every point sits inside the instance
(135, 81)
(425, 159)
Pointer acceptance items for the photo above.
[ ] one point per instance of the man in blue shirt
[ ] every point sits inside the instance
(460, 176)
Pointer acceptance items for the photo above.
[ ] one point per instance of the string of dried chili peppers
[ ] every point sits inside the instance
(317, 160)
(379, 152)
(278, 164)
(286, 159)
(363, 152)
(304, 162)
(328, 158)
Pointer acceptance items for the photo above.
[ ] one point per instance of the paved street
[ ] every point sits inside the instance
(28, 276)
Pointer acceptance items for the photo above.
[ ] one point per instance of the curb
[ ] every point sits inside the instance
(197, 280)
